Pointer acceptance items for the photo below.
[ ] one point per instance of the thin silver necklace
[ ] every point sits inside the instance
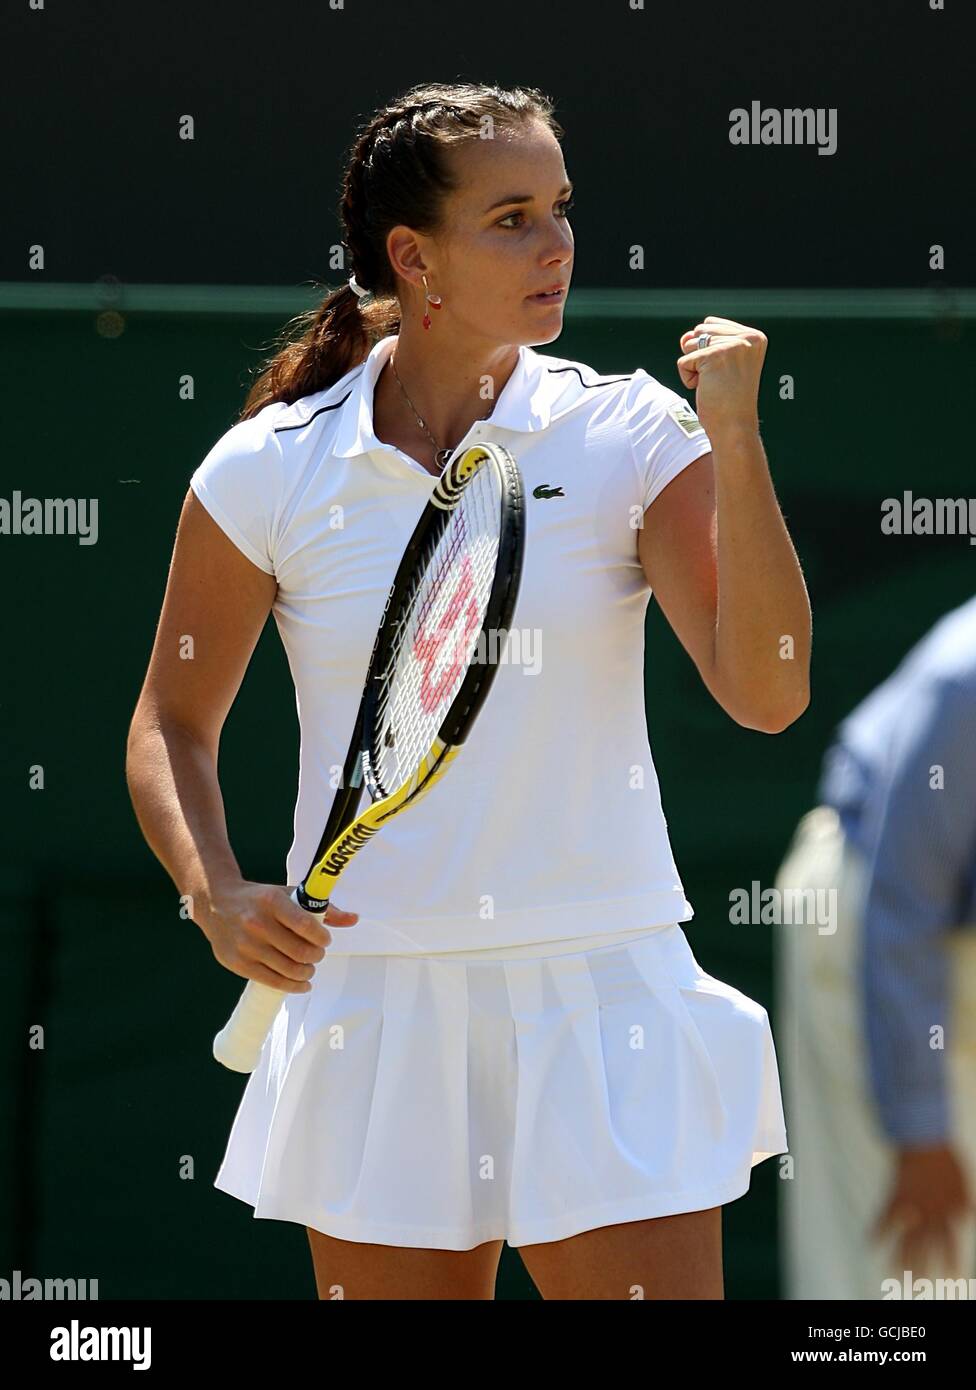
(441, 456)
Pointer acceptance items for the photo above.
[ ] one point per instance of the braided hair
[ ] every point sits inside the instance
(396, 174)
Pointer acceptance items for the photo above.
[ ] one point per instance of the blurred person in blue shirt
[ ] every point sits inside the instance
(876, 1016)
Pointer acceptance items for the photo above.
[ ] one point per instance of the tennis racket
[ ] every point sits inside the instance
(455, 591)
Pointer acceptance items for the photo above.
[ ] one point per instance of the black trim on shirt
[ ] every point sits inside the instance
(280, 429)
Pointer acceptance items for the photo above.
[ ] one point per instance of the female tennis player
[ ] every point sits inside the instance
(506, 1035)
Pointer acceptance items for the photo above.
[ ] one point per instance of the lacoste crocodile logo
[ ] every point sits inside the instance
(544, 490)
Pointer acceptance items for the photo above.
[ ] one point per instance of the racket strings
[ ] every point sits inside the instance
(438, 631)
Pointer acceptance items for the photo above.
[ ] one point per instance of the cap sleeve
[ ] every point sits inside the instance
(240, 482)
(665, 434)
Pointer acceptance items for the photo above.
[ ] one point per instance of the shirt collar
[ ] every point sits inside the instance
(524, 405)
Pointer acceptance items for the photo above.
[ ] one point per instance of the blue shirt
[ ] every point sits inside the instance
(901, 773)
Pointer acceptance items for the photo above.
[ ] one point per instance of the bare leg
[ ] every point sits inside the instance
(355, 1269)
(668, 1257)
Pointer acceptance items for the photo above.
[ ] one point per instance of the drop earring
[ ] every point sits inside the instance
(434, 300)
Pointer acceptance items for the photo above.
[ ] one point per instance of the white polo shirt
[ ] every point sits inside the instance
(549, 824)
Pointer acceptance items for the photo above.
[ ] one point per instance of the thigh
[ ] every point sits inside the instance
(355, 1269)
(662, 1258)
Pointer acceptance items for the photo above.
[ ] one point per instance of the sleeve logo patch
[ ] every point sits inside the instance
(685, 417)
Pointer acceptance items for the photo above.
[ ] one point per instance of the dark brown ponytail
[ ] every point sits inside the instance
(396, 175)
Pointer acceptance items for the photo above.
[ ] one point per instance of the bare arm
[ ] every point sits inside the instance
(700, 538)
(214, 609)
(717, 552)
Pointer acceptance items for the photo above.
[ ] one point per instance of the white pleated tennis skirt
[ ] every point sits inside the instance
(522, 1094)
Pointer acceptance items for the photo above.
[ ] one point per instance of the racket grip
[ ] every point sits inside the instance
(238, 1044)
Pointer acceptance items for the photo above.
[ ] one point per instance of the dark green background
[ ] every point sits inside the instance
(94, 1127)
(98, 175)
